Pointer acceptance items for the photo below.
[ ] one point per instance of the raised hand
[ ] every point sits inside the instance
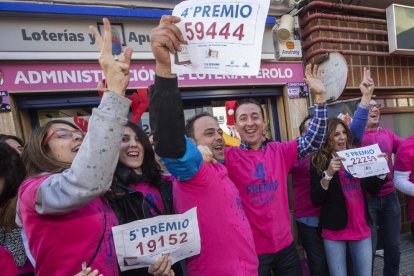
(165, 38)
(367, 87)
(116, 70)
(314, 82)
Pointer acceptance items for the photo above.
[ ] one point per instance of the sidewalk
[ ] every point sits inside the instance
(407, 258)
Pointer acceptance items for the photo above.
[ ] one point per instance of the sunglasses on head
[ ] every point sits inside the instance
(63, 133)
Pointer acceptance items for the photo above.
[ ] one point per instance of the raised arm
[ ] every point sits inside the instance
(360, 119)
(91, 172)
(179, 154)
(315, 136)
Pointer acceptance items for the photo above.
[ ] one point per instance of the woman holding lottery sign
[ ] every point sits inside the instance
(344, 216)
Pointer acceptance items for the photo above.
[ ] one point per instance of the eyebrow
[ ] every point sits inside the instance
(209, 129)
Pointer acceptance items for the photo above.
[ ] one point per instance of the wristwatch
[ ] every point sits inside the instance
(326, 176)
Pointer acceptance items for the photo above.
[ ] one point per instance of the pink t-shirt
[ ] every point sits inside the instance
(151, 193)
(388, 142)
(7, 264)
(404, 162)
(260, 176)
(227, 246)
(60, 243)
(357, 227)
(302, 203)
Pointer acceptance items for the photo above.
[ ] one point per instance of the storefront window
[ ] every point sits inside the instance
(46, 115)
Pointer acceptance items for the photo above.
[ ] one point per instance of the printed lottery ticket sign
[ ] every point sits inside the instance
(364, 162)
(142, 242)
(221, 37)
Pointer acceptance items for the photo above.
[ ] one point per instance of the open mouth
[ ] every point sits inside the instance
(341, 145)
(218, 148)
(76, 149)
(133, 154)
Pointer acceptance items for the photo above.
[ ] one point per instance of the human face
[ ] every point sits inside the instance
(250, 124)
(15, 145)
(64, 148)
(131, 152)
(340, 138)
(207, 132)
(373, 115)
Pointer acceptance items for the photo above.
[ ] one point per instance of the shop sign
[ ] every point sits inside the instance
(53, 39)
(69, 77)
(4, 102)
(297, 90)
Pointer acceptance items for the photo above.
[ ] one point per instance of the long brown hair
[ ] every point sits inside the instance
(36, 155)
(12, 173)
(323, 156)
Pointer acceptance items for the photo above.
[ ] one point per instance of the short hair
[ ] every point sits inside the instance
(189, 126)
(36, 156)
(302, 124)
(248, 101)
(4, 137)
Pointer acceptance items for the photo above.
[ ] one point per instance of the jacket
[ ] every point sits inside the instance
(334, 214)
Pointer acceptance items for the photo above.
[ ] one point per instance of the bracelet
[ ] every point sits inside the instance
(326, 176)
(366, 106)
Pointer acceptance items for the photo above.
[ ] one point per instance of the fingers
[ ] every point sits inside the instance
(168, 22)
(107, 38)
(206, 154)
(169, 19)
(87, 272)
(383, 154)
(157, 265)
(336, 163)
(367, 81)
(97, 36)
(166, 34)
(162, 266)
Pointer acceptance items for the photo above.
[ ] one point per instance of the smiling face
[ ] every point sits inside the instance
(250, 124)
(64, 148)
(374, 115)
(131, 152)
(207, 132)
(340, 138)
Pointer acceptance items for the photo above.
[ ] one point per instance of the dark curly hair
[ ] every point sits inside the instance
(12, 173)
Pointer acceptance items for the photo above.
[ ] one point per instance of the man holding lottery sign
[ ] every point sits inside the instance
(227, 244)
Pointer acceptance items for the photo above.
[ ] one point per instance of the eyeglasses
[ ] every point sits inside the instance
(63, 133)
(378, 106)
